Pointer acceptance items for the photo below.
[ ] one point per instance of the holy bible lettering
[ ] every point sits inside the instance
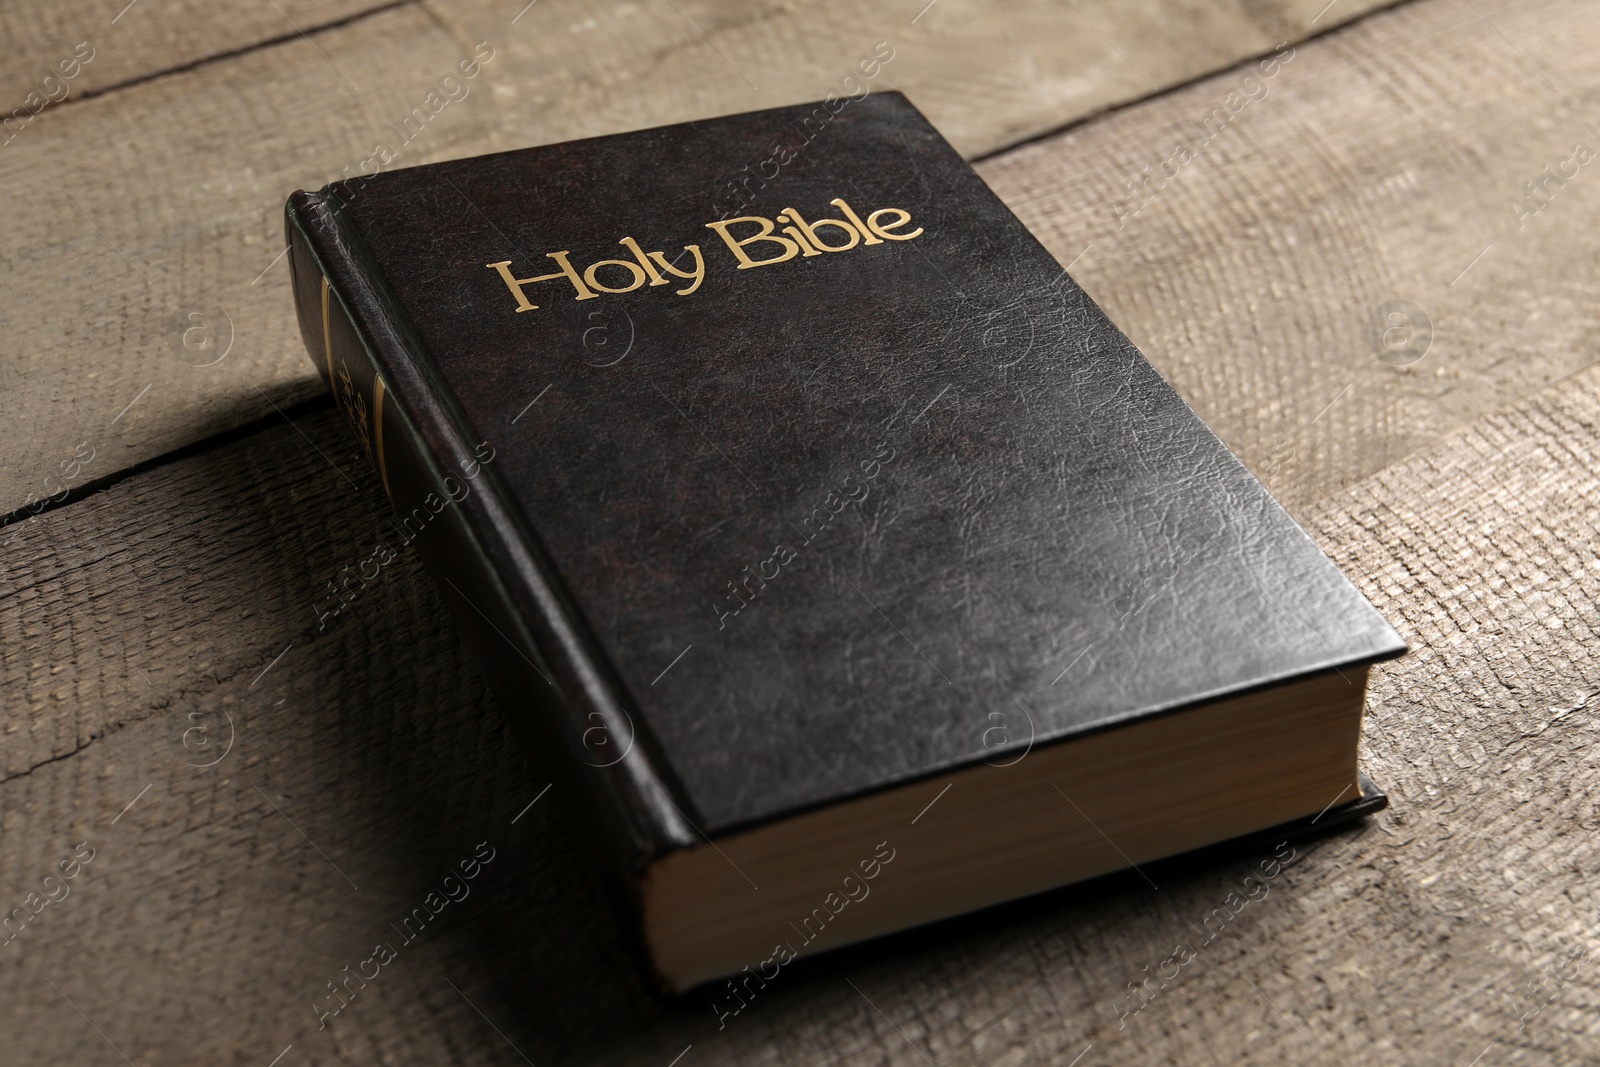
(804, 239)
(724, 769)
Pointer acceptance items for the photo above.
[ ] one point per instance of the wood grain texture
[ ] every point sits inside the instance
(1382, 163)
(166, 624)
(136, 211)
(133, 40)
(987, 77)
(371, 753)
(217, 908)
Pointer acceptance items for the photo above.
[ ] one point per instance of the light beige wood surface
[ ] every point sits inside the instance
(167, 620)
(1382, 163)
(137, 210)
(131, 40)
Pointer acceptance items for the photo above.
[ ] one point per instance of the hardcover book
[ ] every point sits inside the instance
(840, 561)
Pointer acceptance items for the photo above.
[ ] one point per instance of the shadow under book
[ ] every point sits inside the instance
(842, 563)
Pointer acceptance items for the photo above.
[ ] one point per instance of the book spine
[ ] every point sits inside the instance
(559, 693)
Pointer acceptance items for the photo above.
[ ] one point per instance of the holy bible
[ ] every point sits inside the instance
(838, 559)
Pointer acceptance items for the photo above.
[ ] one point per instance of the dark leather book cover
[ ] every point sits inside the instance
(770, 457)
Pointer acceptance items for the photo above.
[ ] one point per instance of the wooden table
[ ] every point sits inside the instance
(1371, 271)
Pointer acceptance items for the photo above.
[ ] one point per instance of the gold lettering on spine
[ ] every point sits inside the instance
(346, 394)
(327, 341)
(378, 390)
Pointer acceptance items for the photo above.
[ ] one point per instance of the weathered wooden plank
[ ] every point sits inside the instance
(144, 309)
(161, 636)
(1433, 935)
(118, 41)
(148, 218)
(987, 77)
(1381, 171)
(181, 600)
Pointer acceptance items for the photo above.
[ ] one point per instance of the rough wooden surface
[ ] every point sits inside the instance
(1376, 165)
(134, 39)
(134, 211)
(166, 621)
(208, 923)
(137, 627)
